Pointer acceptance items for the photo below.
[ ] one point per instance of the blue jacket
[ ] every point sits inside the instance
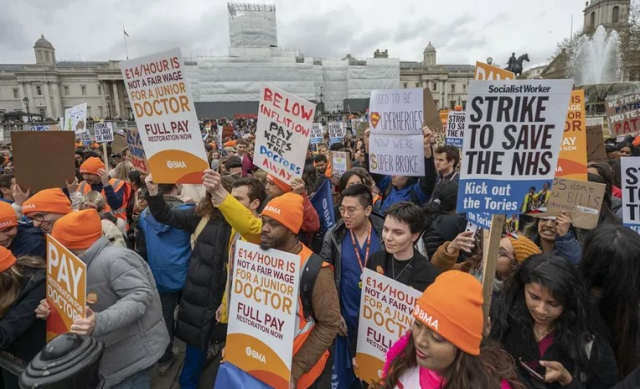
(29, 241)
(566, 246)
(168, 250)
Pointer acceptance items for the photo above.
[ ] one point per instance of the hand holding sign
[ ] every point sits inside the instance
(428, 141)
(151, 186)
(19, 197)
(43, 311)
(85, 326)
(563, 223)
(72, 187)
(211, 180)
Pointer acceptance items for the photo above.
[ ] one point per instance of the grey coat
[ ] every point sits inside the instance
(128, 310)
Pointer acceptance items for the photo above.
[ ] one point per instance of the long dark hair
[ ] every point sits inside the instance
(443, 201)
(610, 264)
(572, 328)
(486, 370)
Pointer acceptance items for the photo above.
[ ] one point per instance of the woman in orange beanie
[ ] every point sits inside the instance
(22, 286)
(444, 349)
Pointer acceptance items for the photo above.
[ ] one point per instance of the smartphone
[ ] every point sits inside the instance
(472, 227)
(533, 368)
(215, 164)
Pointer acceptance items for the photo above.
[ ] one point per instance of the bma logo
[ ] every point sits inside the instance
(255, 355)
(273, 209)
(28, 206)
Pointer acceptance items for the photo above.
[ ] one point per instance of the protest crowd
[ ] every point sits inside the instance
(395, 285)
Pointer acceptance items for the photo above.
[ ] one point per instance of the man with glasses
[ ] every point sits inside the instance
(347, 246)
(20, 238)
(46, 207)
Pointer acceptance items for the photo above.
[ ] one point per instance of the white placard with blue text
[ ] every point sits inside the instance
(396, 111)
(337, 131)
(316, 134)
(397, 155)
(512, 136)
(103, 132)
(630, 167)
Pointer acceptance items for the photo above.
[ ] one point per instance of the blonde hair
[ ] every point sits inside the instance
(94, 200)
(122, 170)
(11, 281)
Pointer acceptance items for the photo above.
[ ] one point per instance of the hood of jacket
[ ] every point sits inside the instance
(158, 227)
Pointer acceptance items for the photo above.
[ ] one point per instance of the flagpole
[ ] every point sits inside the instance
(126, 49)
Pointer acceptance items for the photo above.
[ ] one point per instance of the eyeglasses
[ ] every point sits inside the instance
(38, 217)
(348, 210)
(504, 254)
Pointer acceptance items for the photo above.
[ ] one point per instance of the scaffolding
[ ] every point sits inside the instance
(252, 25)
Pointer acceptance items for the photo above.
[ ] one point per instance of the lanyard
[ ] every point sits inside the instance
(367, 246)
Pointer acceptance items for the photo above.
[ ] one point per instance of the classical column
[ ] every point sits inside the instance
(49, 111)
(116, 101)
(57, 100)
(105, 91)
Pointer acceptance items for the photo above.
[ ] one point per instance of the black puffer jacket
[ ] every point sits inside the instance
(206, 277)
(21, 333)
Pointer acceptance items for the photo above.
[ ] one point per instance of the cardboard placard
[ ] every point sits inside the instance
(262, 313)
(631, 192)
(386, 314)
(340, 163)
(582, 199)
(166, 117)
(66, 288)
(508, 150)
(595, 139)
(572, 161)
(119, 142)
(624, 114)
(43, 160)
(431, 114)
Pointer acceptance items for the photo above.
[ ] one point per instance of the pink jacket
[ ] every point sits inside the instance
(417, 377)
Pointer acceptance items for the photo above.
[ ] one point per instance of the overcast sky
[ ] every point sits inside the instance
(462, 31)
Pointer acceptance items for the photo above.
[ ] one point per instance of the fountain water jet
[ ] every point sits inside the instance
(597, 59)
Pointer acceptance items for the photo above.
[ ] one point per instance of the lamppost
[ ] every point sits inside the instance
(109, 106)
(26, 103)
(321, 107)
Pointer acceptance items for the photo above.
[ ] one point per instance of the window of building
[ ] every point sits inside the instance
(84, 90)
(615, 15)
(38, 90)
(88, 111)
(453, 88)
(437, 103)
(49, 57)
(452, 104)
(464, 104)
(464, 87)
(15, 93)
(99, 90)
(405, 85)
(592, 20)
(101, 112)
(43, 112)
(417, 85)
(435, 86)
(66, 90)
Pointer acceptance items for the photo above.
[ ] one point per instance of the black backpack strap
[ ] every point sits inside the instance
(307, 281)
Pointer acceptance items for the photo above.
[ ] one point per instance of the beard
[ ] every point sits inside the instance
(268, 242)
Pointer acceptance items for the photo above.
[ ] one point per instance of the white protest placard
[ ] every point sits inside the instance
(512, 136)
(103, 132)
(262, 313)
(396, 111)
(455, 129)
(282, 133)
(316, 134)
(166, 117)
(75, 119)
(39, 128)
(337, 132)
(630, 167)
(397, 155)
(386, 314)
(396, 117)
(219, 139)
(85, 138)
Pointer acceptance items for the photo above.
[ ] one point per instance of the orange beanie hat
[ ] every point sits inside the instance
(92, 165)
(8, 217)
(523, 247)
(48, 200)
(287, 210)
(6, 259)
(284, 187)
(78, 230)
(452, 307)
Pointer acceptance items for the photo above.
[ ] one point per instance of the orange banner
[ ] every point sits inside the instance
(490, 72)
(66, 288)
(572, 162)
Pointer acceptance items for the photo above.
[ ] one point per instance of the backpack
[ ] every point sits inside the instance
(307, 282)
